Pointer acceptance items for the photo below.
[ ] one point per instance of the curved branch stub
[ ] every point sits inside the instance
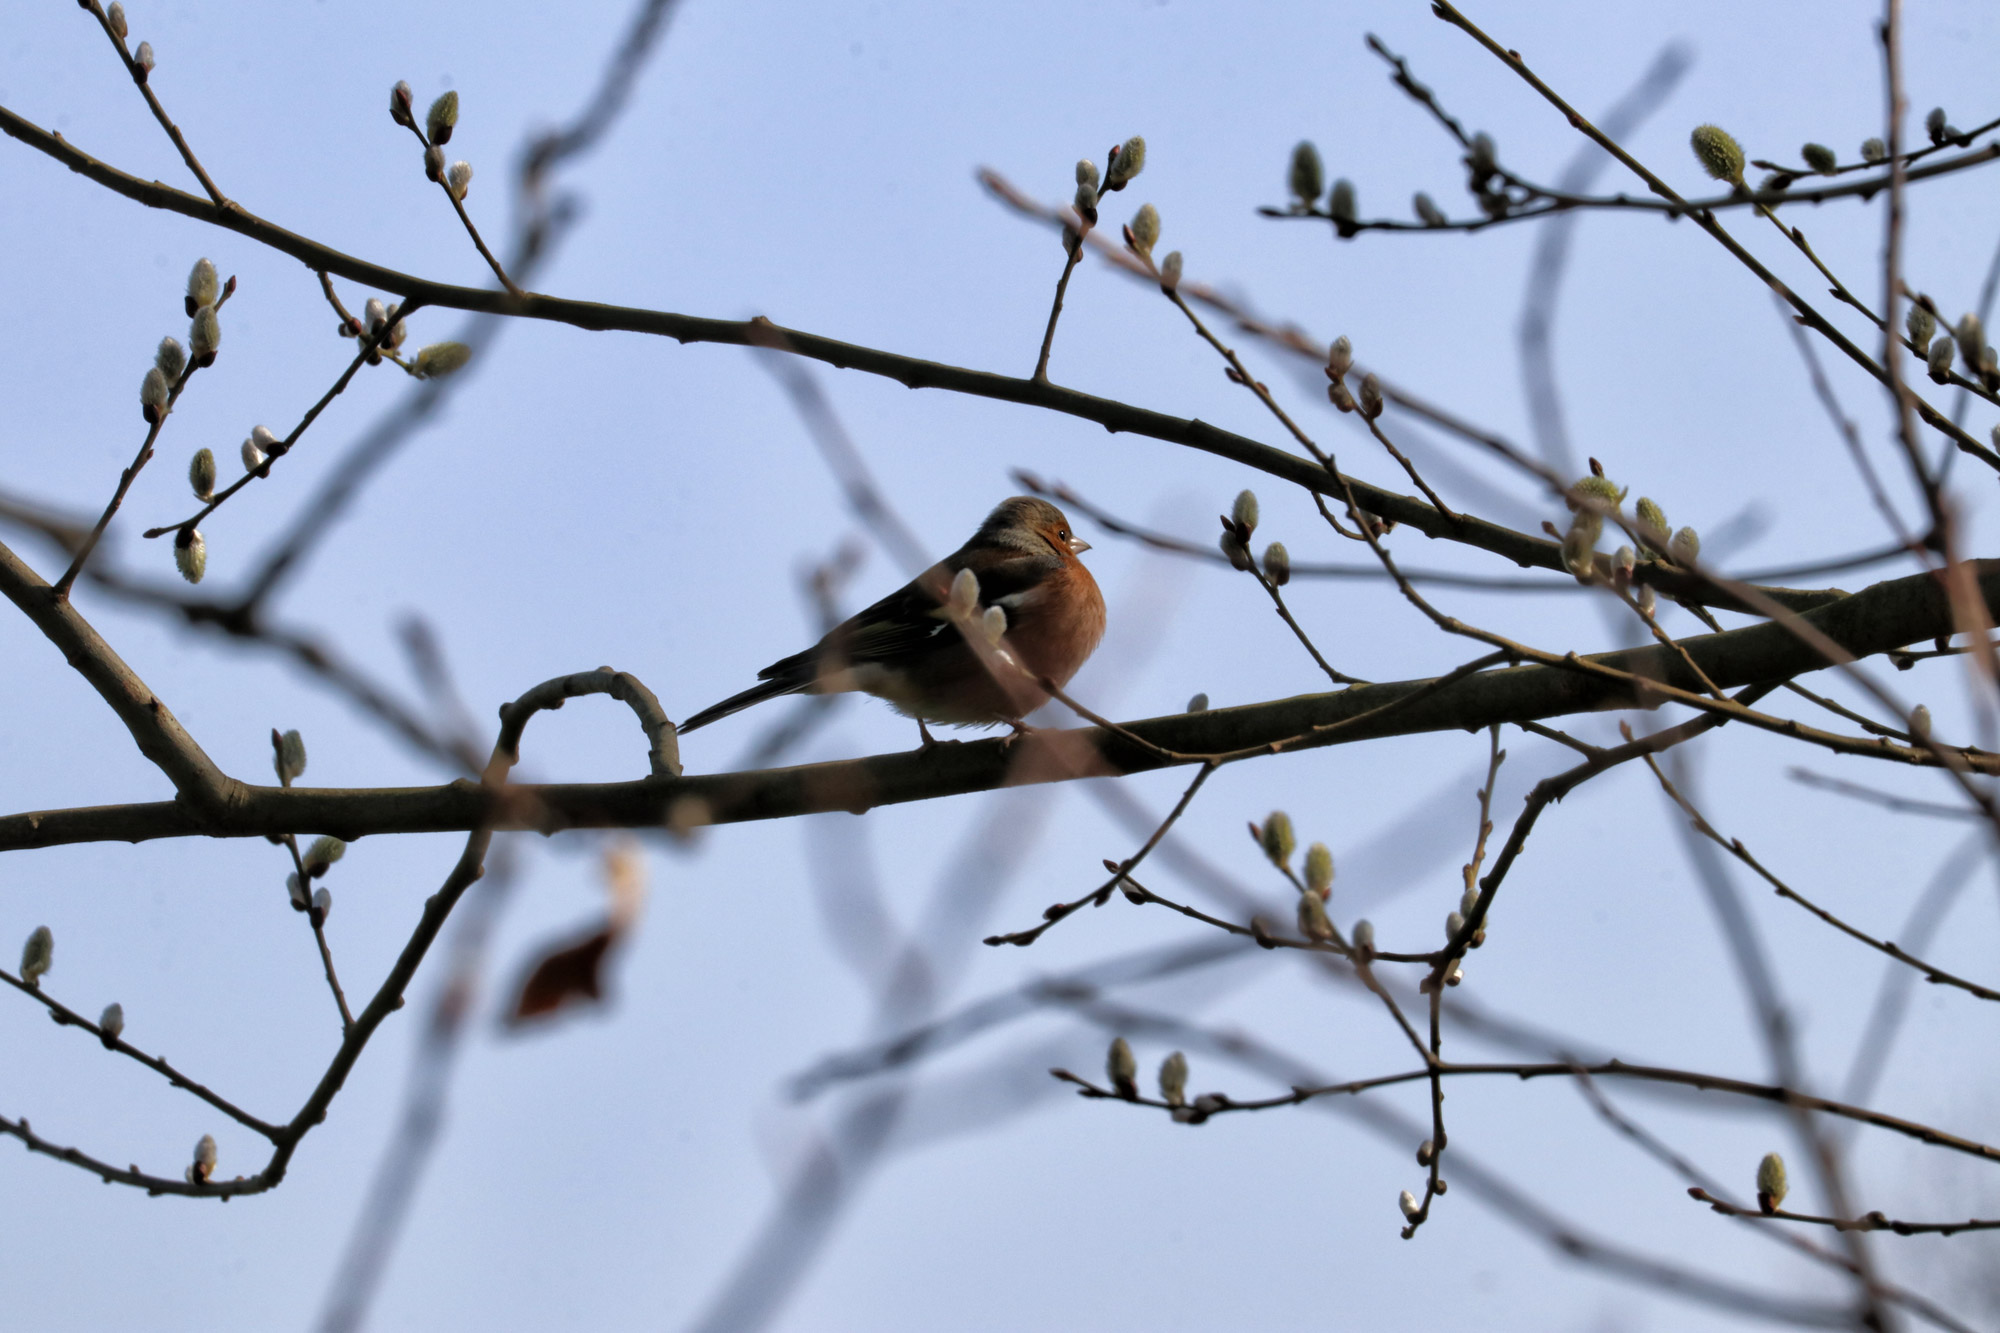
(663, 749)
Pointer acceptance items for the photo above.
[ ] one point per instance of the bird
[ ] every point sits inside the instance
(936, 649)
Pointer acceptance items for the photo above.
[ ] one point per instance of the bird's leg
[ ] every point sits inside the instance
(1020, 729)
(930, 742)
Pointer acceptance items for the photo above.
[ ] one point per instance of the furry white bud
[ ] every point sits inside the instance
(112, 1021)
(37, 955)
(1173, 1079)
(203, 1166)
(964, 595)
(459, 179)
(204, 335)
(171, 358)
(203, 286)
(201, 474)
(190, 554)
(289, 757)
(153, 395)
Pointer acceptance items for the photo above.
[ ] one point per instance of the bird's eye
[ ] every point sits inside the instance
(1063, 533)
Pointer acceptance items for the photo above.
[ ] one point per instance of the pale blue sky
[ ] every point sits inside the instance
(609, 498)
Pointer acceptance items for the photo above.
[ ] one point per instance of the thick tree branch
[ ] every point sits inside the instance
(1886, 616)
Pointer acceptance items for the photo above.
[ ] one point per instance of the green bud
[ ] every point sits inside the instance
(190, 554)
(1313, 921)
(1198, 704)
(288, 757)
(459, 179)
(1874, 150)
(203, 286)
(1651, 515)
(1121, 1068)
(1085, 199)
(400, 102)
(1170, 271)
(322, 854)
(1278, 840)
(1364, 935)
(204, 335)
(115, 19)
(1940, 360)
(1308, 177)
(1129, 161)
(201, 474)
(1319, 868)
(1468, 900)
(1623, 561)
(1340, 205)
(1277, 564)
(1428, 212)
(441, 359)
(1685, 547)
(1602, 489)
(1086, 173)
(1820, 158)
(1771, 1188)
(442, 117)
(153, 395)
(1720, 155)
(111, 1022)
(1145, 229)
(1922, 326)
(1244, 512)
(1371, 396)
(1173, 1079)
(37, 954)
(171, 358)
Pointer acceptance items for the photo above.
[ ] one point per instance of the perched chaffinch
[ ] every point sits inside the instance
(915, 648)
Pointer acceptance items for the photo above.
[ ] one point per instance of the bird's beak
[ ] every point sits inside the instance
(1077, 546)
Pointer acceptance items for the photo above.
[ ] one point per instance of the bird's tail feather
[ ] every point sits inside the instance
(736, 703)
